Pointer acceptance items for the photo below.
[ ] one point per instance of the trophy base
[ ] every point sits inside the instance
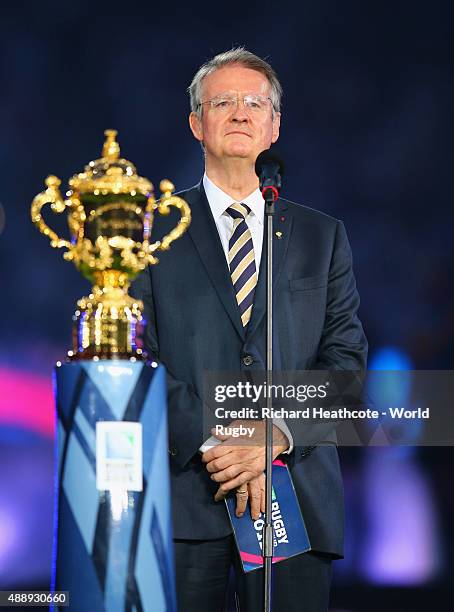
(113, 547)
(108, 324)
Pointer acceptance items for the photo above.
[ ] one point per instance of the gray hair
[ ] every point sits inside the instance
(237, 55)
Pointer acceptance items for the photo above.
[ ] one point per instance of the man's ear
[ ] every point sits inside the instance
(195, 123)
(276, 127)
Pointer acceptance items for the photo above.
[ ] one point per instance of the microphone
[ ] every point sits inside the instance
(269, 167)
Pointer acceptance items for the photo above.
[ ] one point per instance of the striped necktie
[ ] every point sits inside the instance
(242, 260)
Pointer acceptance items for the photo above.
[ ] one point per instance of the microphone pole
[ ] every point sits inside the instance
(269, 169)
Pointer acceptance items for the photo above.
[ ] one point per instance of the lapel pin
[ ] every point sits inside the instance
(278, 235)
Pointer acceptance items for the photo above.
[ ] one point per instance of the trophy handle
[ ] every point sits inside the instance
(163, 207)
(53, 197)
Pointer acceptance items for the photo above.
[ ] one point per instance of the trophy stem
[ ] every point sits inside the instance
(111, 278)
(108, 323)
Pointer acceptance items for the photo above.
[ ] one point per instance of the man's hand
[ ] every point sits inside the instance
(254, 491)
(238, 461)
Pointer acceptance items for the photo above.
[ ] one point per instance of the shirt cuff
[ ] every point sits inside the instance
(281, 424)
(209, 443)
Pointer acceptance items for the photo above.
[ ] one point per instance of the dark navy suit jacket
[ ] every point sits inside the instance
(194, 325)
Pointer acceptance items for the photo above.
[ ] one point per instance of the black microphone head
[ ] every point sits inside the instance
(269, 159)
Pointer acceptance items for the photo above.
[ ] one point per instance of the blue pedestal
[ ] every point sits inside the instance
(114, 547)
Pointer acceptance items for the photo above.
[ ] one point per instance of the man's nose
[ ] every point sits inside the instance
(239, 111)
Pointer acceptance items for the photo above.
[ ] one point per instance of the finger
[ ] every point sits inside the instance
(242, 456)
(255, 497)
(241, 501)
(232, 472)
(235, 483)
(254, 467)
(223, 462)
(215, 452)
(220, 495)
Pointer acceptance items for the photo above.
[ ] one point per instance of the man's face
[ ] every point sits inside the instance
(239, 132)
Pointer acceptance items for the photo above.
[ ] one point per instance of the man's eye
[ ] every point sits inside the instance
(253, 103)
(221, 103)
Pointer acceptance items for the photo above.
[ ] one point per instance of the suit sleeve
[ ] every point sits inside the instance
(184, 406)
(343, 345)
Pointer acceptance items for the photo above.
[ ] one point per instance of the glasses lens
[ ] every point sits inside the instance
(223, 102)
(256, 103)
(252, 102)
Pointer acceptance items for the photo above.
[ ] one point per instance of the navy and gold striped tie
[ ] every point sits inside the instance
(242, 261)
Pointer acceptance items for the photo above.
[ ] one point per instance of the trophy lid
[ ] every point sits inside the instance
(110, 174)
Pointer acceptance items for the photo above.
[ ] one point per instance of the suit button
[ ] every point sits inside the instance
(248, 360)
(172, 451)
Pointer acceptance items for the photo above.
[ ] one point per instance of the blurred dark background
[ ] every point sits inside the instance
(367, 136)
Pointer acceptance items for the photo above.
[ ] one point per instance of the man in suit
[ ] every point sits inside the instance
(205, 308)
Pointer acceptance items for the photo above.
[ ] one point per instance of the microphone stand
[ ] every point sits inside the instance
(270, 195)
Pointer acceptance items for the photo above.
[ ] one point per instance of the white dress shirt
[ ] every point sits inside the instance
(219, 201)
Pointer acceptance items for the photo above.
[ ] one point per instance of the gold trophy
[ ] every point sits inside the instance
(110, 217)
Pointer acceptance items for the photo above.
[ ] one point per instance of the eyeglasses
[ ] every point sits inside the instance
(226, 103)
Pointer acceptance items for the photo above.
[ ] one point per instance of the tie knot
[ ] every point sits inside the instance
(238, 211)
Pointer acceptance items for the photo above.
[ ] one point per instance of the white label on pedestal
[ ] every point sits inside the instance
(119, 456)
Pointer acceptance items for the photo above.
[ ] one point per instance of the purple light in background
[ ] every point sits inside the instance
(26, 482)
(8, 537)
(401, 542)
(26, 504)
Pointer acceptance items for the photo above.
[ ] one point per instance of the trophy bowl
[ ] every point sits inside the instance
(110, 212)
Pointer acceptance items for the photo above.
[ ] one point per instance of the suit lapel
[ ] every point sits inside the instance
(280, 245)
(205, 237)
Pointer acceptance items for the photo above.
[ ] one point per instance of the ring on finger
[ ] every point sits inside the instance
(238, 492)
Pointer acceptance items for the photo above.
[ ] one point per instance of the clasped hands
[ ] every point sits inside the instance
(239, 463)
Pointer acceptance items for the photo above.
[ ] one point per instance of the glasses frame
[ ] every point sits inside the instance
(237, 98)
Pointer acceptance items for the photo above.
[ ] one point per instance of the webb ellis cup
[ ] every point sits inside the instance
(114, 545)
(110, 216)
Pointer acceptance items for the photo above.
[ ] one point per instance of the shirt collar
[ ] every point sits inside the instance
(219, 201)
